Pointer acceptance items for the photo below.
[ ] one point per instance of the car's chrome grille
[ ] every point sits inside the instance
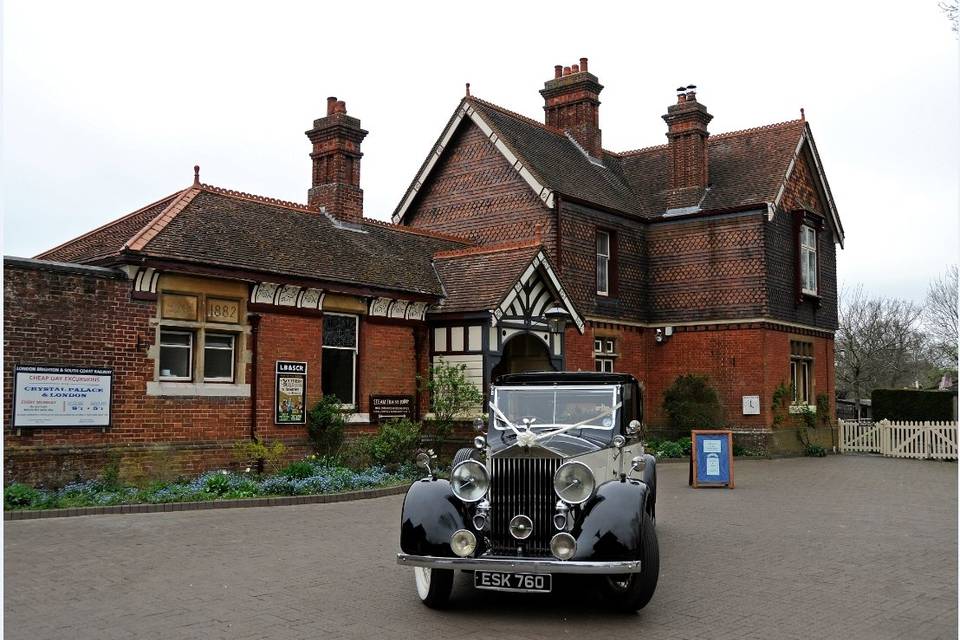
(522, 486)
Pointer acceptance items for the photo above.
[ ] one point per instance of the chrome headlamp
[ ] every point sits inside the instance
(574, 482)
(469, 481)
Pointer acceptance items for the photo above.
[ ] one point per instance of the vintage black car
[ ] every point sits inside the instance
(559, 484)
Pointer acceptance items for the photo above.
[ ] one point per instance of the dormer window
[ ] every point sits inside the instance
(808, 259)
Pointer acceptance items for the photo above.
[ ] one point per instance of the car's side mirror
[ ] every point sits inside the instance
(479, 425)
(635, 428)
(423, 460)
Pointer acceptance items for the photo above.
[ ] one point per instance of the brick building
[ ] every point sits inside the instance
(711, 254)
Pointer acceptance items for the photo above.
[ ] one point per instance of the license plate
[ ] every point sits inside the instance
(496, 581)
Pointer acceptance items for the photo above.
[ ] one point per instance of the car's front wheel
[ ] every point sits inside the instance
(632, 591)
(433, 586)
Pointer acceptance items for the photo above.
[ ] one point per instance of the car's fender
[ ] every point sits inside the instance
(650, 479)
(609, 527)
(431, 514)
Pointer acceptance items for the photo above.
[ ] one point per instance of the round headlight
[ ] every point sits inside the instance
(521, 527)
(563, 546)
(469, 480)
(463, 543)
(574, 482)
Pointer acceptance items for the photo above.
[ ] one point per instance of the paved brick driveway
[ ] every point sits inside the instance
(842, 547)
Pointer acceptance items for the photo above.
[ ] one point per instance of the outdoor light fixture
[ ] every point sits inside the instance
(557, 317)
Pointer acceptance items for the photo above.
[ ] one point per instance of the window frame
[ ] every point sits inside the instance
(808, 271)
(604, 364)
(233, 356)
(606, 260)
(190, 357)
(356, 351)
(802, 372)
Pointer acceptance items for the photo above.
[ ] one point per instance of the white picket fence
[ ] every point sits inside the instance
(921, 440)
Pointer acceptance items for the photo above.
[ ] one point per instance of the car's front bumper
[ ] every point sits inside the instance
(520, 565)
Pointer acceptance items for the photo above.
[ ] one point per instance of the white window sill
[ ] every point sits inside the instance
(357, 418)
(802, 408)
(204, 389)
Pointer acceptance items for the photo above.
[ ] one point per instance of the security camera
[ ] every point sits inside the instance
(659, 335)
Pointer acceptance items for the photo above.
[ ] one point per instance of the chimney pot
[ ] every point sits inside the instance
(572, 105)
(687, 134)
(335, 183)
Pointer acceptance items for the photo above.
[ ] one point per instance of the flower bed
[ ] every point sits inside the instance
(306, 477)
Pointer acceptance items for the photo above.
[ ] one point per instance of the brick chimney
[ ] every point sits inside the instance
(572, 103)
(687, 132)
(336, 157)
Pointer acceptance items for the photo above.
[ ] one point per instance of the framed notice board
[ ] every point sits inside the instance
(711, 459)
(291, 393)
(55, 396)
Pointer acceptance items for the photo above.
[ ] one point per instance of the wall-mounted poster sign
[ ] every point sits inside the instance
(291, 393)
(711, 459)
(383, 408)
(51, 396)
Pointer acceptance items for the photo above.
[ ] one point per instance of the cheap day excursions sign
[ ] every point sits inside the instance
(52, 396)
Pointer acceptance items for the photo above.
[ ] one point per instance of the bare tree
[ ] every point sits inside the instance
(940, 316)
(952, 11)
(878, 344)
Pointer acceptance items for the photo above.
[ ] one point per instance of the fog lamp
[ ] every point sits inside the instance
(521, 527)
(463, 543)
(481, 515)
(561, 517)
(563, 546)
(479, 442)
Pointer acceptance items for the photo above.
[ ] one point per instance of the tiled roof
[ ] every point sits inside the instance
(558, 161)
(746, 167)
(106, 240)
(218, 227)
(476, 279)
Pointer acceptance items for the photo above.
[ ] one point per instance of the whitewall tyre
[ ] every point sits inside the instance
(433, 586)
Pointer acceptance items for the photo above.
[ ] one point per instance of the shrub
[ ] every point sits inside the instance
(691, 403)
(215, 482)
(266, 456)
(298, 470)
(395, 443)
(815, 450)
(20, 496)
(325, 422)
(451, 395)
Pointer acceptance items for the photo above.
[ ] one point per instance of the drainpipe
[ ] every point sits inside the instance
(254, 334)
(417, 345)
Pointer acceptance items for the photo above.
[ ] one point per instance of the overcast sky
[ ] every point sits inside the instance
(108, 105)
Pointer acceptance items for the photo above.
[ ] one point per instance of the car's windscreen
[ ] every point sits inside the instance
(548, 408)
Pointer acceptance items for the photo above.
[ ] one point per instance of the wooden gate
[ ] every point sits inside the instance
(919, 440)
